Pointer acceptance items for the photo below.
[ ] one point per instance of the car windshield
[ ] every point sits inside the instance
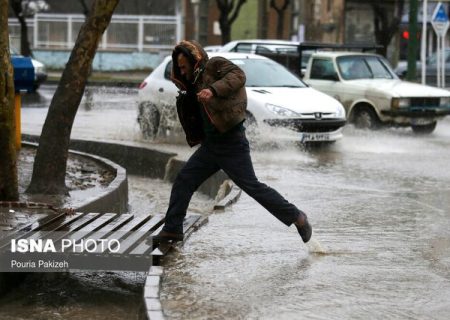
(363, 67)
(267, 73)
(277, 48)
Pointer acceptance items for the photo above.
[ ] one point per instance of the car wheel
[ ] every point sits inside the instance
(250, 124)
(149, 120)
(424, 129)
(366, 118)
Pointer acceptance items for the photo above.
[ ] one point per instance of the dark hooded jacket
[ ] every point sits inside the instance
(227, 82)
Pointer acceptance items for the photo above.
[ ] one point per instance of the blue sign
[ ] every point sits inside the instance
(440, 15)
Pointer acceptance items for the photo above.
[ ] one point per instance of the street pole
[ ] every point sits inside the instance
(412, 43)
(423, 53)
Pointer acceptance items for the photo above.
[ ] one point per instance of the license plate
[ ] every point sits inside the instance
(305, 137)
(421, 121)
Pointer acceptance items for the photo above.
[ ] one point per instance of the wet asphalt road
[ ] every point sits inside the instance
(379, 203)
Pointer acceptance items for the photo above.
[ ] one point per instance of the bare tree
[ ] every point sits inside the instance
(229, 11)
(280, 15)
(85, 7)
(8, 166)
(51, 158)
(23, 9)
(386, 22)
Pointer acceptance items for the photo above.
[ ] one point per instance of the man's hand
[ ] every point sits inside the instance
(205, 95)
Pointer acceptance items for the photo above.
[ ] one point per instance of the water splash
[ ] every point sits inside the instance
(315, 247)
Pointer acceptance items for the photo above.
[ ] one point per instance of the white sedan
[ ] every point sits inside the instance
(373, 95)
(276, 98)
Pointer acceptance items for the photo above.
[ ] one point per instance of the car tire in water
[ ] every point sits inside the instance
(424, 129)
(149, 120)
(366, 118)
(251, 126)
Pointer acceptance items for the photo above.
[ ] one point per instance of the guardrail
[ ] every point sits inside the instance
(124, 33)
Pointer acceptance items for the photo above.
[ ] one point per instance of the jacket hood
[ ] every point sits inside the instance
(196, 55)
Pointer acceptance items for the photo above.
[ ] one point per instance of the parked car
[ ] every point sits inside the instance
(40, 74)
(431, 69)
(372, 94)
(282, 51)
(260, 46)
(276, 98)
(212, 48)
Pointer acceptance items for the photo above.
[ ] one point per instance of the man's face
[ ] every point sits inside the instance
(186, 69)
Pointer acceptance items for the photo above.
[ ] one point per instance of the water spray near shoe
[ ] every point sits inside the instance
(305, 230)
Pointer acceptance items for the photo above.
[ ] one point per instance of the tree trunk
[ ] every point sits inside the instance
(228, 14)
(8, 157)
(280, 16)
(225, 29)
(25, 48)
(385, 30)
(280, 22)
(51, 158)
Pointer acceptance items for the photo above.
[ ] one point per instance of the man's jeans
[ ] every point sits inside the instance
(233, 157)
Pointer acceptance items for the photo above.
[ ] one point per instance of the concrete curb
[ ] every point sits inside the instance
(114, 198)
(136, 160)
(232, 196)
(143, 161)
(153, 308)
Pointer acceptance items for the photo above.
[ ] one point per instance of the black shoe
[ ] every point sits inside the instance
(164, 236)
(305, 229)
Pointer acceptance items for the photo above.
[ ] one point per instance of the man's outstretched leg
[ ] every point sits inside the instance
(235, 160)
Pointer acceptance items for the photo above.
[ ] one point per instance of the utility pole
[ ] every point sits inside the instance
(412, 43)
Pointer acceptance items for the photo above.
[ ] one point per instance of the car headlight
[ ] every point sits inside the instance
(444, 102)
(400, 103)
(280, 111)
(340, 112)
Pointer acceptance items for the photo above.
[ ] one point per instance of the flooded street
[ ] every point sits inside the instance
(379, 206)
(378, 201)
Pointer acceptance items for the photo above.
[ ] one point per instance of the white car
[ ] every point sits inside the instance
(259, 46)
(282, 51)
(372, 94)
(276, 98)
(212, 48)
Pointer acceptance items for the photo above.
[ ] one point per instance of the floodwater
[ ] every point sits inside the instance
(379, 203)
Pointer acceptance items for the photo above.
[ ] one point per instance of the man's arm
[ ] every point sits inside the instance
(230, 77)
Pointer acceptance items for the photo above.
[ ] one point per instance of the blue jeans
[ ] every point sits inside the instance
(232, 155)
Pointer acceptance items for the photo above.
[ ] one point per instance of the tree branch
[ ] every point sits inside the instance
(283, 7)
(236, 10)
(85, 7)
